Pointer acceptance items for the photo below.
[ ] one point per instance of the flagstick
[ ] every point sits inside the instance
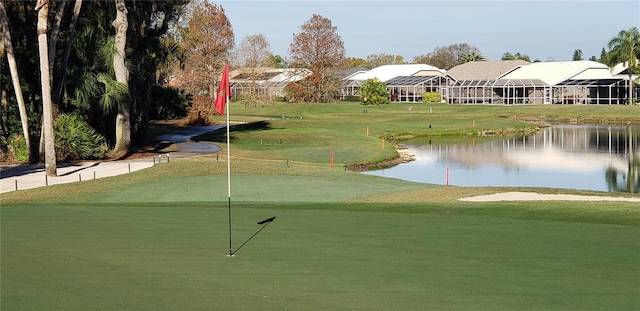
(228, 173)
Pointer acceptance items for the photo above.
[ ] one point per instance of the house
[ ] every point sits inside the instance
(267, 82)
(570, 82)
(575, 82)
(405, 82)
(478, 81)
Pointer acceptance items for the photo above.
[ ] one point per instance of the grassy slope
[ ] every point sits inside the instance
(156, 239)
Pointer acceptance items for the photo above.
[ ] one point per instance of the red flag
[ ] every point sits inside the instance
(224, 91)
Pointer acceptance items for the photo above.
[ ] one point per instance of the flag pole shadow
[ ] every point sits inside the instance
(264, 224)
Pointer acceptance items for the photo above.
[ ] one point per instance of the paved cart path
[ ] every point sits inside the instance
(28, 176)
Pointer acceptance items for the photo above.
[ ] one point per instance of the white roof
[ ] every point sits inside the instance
(620, 67)
(553, 73)
(290, 75)
(388, 72)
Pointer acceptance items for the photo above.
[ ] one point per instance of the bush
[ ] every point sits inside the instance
(76, 139)
(299, 91)
(201, 111)
(170, 103)
(431, 97)
(374, 92)
(14, 150)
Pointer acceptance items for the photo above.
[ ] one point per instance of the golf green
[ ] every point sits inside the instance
(173, 257)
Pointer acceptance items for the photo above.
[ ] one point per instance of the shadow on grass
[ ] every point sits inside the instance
(219, 135)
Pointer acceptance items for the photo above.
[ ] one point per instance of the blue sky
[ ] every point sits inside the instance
(545, 30)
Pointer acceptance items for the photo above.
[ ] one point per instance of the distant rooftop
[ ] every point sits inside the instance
(388, 72)
(485, 70)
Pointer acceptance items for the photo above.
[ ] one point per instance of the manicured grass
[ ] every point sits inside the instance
(313, 256)
(157, 239)
(312, 132)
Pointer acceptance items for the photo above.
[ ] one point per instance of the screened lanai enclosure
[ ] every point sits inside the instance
(500, 91)
(265, 82)
(533, 91)
(599, 92)
(411, 88)
(351, 88)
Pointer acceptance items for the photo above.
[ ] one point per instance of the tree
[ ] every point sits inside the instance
(45, 81)
(253, 51)
(15, 78)
(319, 47)
(377, 60)
(604, 58)
(85, 78)
(355, 62)
(67, 52)
(577, 55)
(123, 123)
(447, 57)
(473, 56)
(207, 42)
(516, 56)
(625, 48)
(275, 61)
(374, 92)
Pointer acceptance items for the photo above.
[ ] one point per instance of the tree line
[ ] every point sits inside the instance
(85, 78)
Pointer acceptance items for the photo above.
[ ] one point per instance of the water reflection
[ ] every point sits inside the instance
(602, 158)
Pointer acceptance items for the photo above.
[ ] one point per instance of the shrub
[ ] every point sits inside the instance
(15, 149)
(431, 97)
(76, 139)
(299, 91)
(374, 92)
(201, 110)
(170, 103)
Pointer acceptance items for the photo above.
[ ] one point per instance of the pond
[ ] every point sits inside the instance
(600, 158)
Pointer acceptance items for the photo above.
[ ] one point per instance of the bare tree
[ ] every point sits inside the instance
(253, 52)
(45, 80)
(319, 47)
(15, 78)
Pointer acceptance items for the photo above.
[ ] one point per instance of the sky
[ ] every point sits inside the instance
(544, 30)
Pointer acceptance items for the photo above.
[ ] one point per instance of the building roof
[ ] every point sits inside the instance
(553, 73)
(591, 82)
(485, 70)
(268, 75)
(500, 83)
(388, 72)
(621, 68)
(410, 80)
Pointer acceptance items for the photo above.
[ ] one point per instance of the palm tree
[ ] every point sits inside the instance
(509, 56)
(45, 80)
(473, 56)
(15, 78)
(625, 48)
(123, 119)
